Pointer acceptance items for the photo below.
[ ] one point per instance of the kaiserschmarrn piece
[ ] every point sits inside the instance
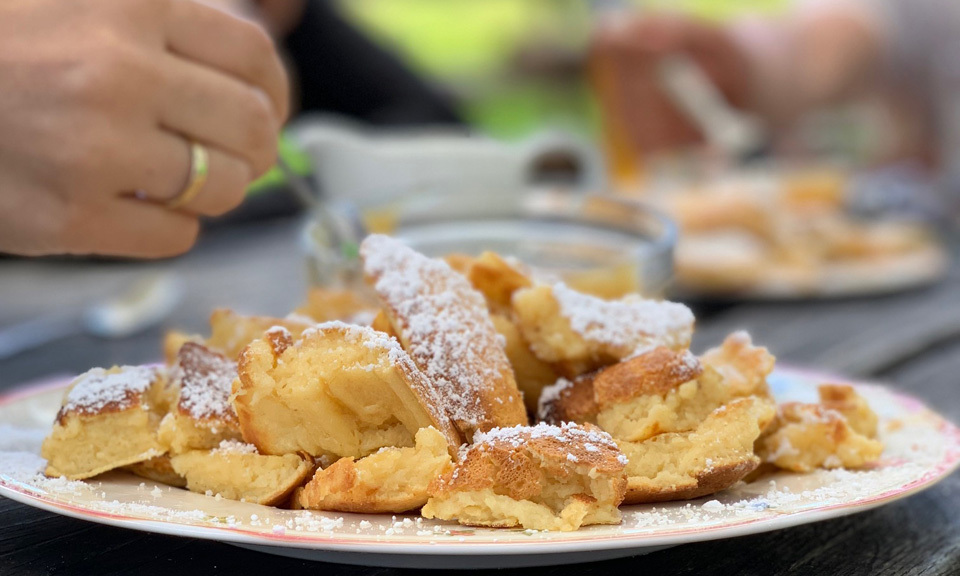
(108, 419)
(339, 390)
(444, 325)
(497, 280)
(665, 391)
(569, 401)
(236, 471)
(231, 332)
(804, 437)
(661, 390)
(579, 333)
(392, 480)
(531, 373)
(687, 427)
(203, 414)
(158, 469)
(325, 305)
(845, 400)
(713, 457)
(743, 366)
(540, 478)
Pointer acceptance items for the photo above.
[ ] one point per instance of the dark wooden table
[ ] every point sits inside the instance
(910, 340)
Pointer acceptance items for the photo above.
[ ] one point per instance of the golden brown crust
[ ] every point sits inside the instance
(459, 262)
(231, 332)
(100, 391)
(496, 279)
(569, 401)
(655, 372)
(381, 323)
(515, 461)
(108, 420)
(158, 469)
(743, 366)
(326, 304)
(845, 400)
(578, 333)
(445, 327)
(394, 480)
(707, 482)
(317, 384)
(173, 340)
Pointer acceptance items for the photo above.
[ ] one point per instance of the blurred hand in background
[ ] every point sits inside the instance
(774, 68)
(625, 57)
(99, 103)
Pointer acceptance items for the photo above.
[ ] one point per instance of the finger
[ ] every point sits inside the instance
(128, 227)
(167, 175)
(237, 47)
(219, 111)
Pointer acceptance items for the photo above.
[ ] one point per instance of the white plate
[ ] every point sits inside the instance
(921, 448)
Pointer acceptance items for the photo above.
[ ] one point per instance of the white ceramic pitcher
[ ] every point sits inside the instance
(367, 166)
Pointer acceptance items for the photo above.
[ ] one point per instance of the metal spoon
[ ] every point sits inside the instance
(342, 229)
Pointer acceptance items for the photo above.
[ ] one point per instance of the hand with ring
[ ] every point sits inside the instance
(122, 122)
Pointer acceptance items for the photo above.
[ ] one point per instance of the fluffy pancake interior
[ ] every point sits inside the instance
(808, 436)
(541, 478)
(241, 475)
(487, 508)
(84, 444)
(327, 394)
(677, 461)
(390, 480)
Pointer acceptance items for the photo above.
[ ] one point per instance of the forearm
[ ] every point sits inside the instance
(822, 53)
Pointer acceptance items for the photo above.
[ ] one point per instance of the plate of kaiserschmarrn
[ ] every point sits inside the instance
(458, 413)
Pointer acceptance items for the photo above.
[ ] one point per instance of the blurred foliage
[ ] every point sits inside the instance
(473, 48)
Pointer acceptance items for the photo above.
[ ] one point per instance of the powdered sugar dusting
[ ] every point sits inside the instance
(235, 447)
(444, 324)
(567, 433)
(919, 448)
(365, 336)
(99, 389)
(630, 323)
(205, 379)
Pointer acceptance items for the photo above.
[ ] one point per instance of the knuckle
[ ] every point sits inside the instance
(260, 49)
(106, 76)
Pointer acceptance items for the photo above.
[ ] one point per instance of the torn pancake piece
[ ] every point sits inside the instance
(569, 401)
(236, 471)
(844, 399)
(804, 437)
(108, 419)
(581, 333)
(683, 465)
(444, 325)
(159, 469)
(339, 390)
(203, 414)
(664, 391)
(539, 477)
(392, 480)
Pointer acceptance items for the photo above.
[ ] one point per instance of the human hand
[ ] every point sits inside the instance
(99, 100)
(625, 57)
